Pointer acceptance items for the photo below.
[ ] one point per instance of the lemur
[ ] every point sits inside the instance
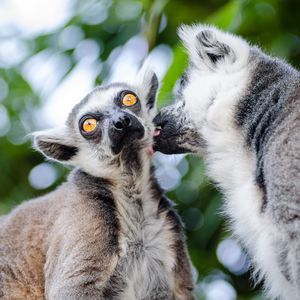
(240, 109)
(108, 232)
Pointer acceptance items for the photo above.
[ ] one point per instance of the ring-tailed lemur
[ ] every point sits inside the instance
(240, 109)
(108, 232)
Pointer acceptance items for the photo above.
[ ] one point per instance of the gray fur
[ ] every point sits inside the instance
(250, 124)
(269, 100)
(106, 233)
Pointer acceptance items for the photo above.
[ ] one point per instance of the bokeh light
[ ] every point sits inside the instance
(231, 255)
(220, 290)
(166, 170)
(33, 17)
(3, 89)
(42, 176)
(4, 121)
(70, 37)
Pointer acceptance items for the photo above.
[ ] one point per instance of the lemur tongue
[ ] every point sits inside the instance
(150, 149)
(156, 133)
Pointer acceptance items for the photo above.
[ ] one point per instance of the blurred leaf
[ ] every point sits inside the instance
(225, 16)
(174, 72)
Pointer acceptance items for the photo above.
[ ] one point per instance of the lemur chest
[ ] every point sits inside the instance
(147, 258)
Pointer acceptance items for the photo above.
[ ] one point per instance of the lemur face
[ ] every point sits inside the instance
(112, 123)
(110, 119)
(176, 132)
(212, 81)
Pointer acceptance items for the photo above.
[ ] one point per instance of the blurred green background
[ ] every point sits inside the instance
(53, 52)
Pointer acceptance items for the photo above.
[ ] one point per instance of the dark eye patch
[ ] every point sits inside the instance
(95, 134)
(118, 101)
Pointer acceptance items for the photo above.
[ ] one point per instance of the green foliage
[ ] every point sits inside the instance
(273, 24)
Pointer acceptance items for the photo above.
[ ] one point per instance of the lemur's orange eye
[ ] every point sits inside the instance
(129, 100)
(89, 125)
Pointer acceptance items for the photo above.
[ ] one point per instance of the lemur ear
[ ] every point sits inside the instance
(209, 47)
(149, 82)
(55, 144)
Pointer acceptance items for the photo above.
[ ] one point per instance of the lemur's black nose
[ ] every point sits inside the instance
(122, 122)
(124, 128)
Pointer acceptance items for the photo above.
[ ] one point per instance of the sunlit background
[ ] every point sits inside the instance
(53, 52)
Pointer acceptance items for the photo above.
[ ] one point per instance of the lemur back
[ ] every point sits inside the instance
(108, 232)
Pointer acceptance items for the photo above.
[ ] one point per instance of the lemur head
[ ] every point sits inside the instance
(111, 126)
(217, 70)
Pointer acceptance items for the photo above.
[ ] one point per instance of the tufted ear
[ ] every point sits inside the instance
(55, 144)
(149, 82)
(209, 47)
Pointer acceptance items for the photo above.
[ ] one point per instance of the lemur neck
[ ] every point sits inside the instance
(136, 173)
(130, 175)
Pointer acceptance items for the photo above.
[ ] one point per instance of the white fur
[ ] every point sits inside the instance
(157, 244)
(211, 96)
(98, 101)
